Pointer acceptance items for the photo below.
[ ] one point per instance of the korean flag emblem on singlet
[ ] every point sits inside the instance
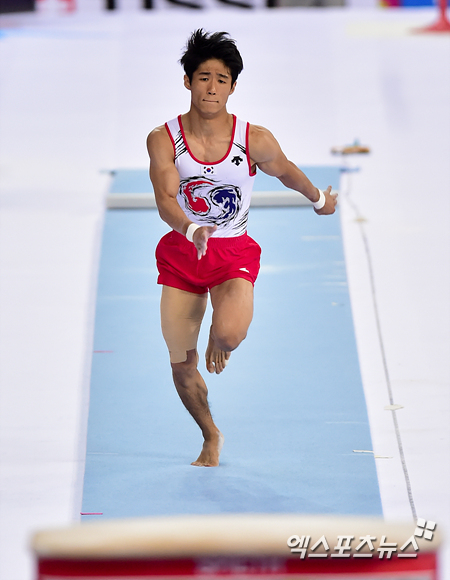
(208, 169)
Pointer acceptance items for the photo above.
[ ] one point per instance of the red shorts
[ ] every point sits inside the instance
(225, 258)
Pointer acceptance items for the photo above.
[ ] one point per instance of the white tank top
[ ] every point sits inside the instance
(215, 193)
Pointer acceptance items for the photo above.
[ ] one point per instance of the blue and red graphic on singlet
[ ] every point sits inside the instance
(209, 202)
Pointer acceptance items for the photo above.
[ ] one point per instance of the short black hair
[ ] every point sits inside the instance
(203, 46)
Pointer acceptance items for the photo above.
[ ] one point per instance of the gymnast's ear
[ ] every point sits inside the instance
(187, 82)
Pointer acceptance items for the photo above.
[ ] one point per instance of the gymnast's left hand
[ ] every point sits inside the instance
(201, 237)
(330, 203)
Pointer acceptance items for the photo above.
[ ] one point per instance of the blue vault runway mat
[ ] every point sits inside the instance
(290, 403)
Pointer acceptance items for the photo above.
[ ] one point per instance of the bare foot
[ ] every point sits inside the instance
(209, 457)
(216, 359)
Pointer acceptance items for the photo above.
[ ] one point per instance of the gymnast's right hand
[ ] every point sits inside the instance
(201, 237)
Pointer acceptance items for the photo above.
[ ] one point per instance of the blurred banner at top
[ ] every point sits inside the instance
(125, 5)
(245, 4)
(120, 5)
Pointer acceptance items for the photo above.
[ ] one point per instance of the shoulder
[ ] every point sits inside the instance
(158, 141)
(158, 136)
(258, 133)
(262, 143)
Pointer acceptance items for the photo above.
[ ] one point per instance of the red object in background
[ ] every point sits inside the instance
(71, 5)
(442, 25)
(391, 3)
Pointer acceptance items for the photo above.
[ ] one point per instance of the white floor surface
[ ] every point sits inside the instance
(78, 95)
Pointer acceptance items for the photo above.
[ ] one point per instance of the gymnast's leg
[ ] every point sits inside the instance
(181, 316)
(232, 303)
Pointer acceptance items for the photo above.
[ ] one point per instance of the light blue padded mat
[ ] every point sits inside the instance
(290, 403)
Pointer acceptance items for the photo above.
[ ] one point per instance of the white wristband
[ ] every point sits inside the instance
(321, 201)
(190, 232)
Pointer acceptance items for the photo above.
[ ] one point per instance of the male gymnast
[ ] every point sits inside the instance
(202, 166)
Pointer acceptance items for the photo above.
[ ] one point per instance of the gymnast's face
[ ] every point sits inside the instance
(210, 86)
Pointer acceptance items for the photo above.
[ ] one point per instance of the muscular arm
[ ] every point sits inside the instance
(166, 181)
(266, 153)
